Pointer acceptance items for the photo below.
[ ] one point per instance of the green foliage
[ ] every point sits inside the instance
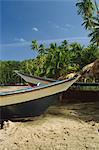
(57, 61)
(26, 66)
(89, 11)
(6, 72)
(54, 61)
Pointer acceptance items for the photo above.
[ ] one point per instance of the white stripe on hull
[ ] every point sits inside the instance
(36, 93)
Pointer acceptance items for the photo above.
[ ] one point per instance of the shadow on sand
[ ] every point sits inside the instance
(77, 111)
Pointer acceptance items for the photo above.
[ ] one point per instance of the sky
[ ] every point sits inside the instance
(22, 21)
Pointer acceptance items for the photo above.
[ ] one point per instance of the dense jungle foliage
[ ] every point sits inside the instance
(54, 61)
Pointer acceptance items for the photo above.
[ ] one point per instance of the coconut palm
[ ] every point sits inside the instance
(34, 45)
(85, 7)
(53, 62)
(95, 36)
(64, 44)
(41, 49)
(76, 53)
(95, 31)
(90, 14)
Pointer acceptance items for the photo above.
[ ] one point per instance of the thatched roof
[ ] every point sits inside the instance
(91, 69)
(95, 67)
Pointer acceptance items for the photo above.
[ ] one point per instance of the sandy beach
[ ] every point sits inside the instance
(72, 126)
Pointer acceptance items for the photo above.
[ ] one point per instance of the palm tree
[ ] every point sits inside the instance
(64, 44)
(90, 14)
(41, 49)
(53, 46)
(95, 30)
(76, 53)
(85, 7)
(74, 46)
(34, 45)
(95, 35)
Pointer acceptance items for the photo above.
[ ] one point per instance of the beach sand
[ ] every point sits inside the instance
(72, 126)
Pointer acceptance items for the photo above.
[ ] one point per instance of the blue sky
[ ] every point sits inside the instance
(46, 21)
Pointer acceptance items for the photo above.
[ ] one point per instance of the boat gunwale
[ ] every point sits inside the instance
(39, 87)
(36, 77)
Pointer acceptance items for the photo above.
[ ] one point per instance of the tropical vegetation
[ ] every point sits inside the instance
(55, 61)
(89, 10)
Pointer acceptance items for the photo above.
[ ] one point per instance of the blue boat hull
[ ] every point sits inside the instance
(27, 109)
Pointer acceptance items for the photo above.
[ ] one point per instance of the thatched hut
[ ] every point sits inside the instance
(91, 70)
(95, 69)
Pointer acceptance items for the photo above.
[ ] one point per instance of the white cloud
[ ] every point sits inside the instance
(82, 39)
(65, 27)
(20, 40)
(28, 43)
(35, 29)
(18, 44)
(69, 26)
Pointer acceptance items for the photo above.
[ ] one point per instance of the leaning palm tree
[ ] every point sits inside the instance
(95, 36)
(95, 30)
(86, 9)
(90, 14)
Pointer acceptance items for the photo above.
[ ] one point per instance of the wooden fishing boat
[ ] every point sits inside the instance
(34, 80)
(31, 101)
